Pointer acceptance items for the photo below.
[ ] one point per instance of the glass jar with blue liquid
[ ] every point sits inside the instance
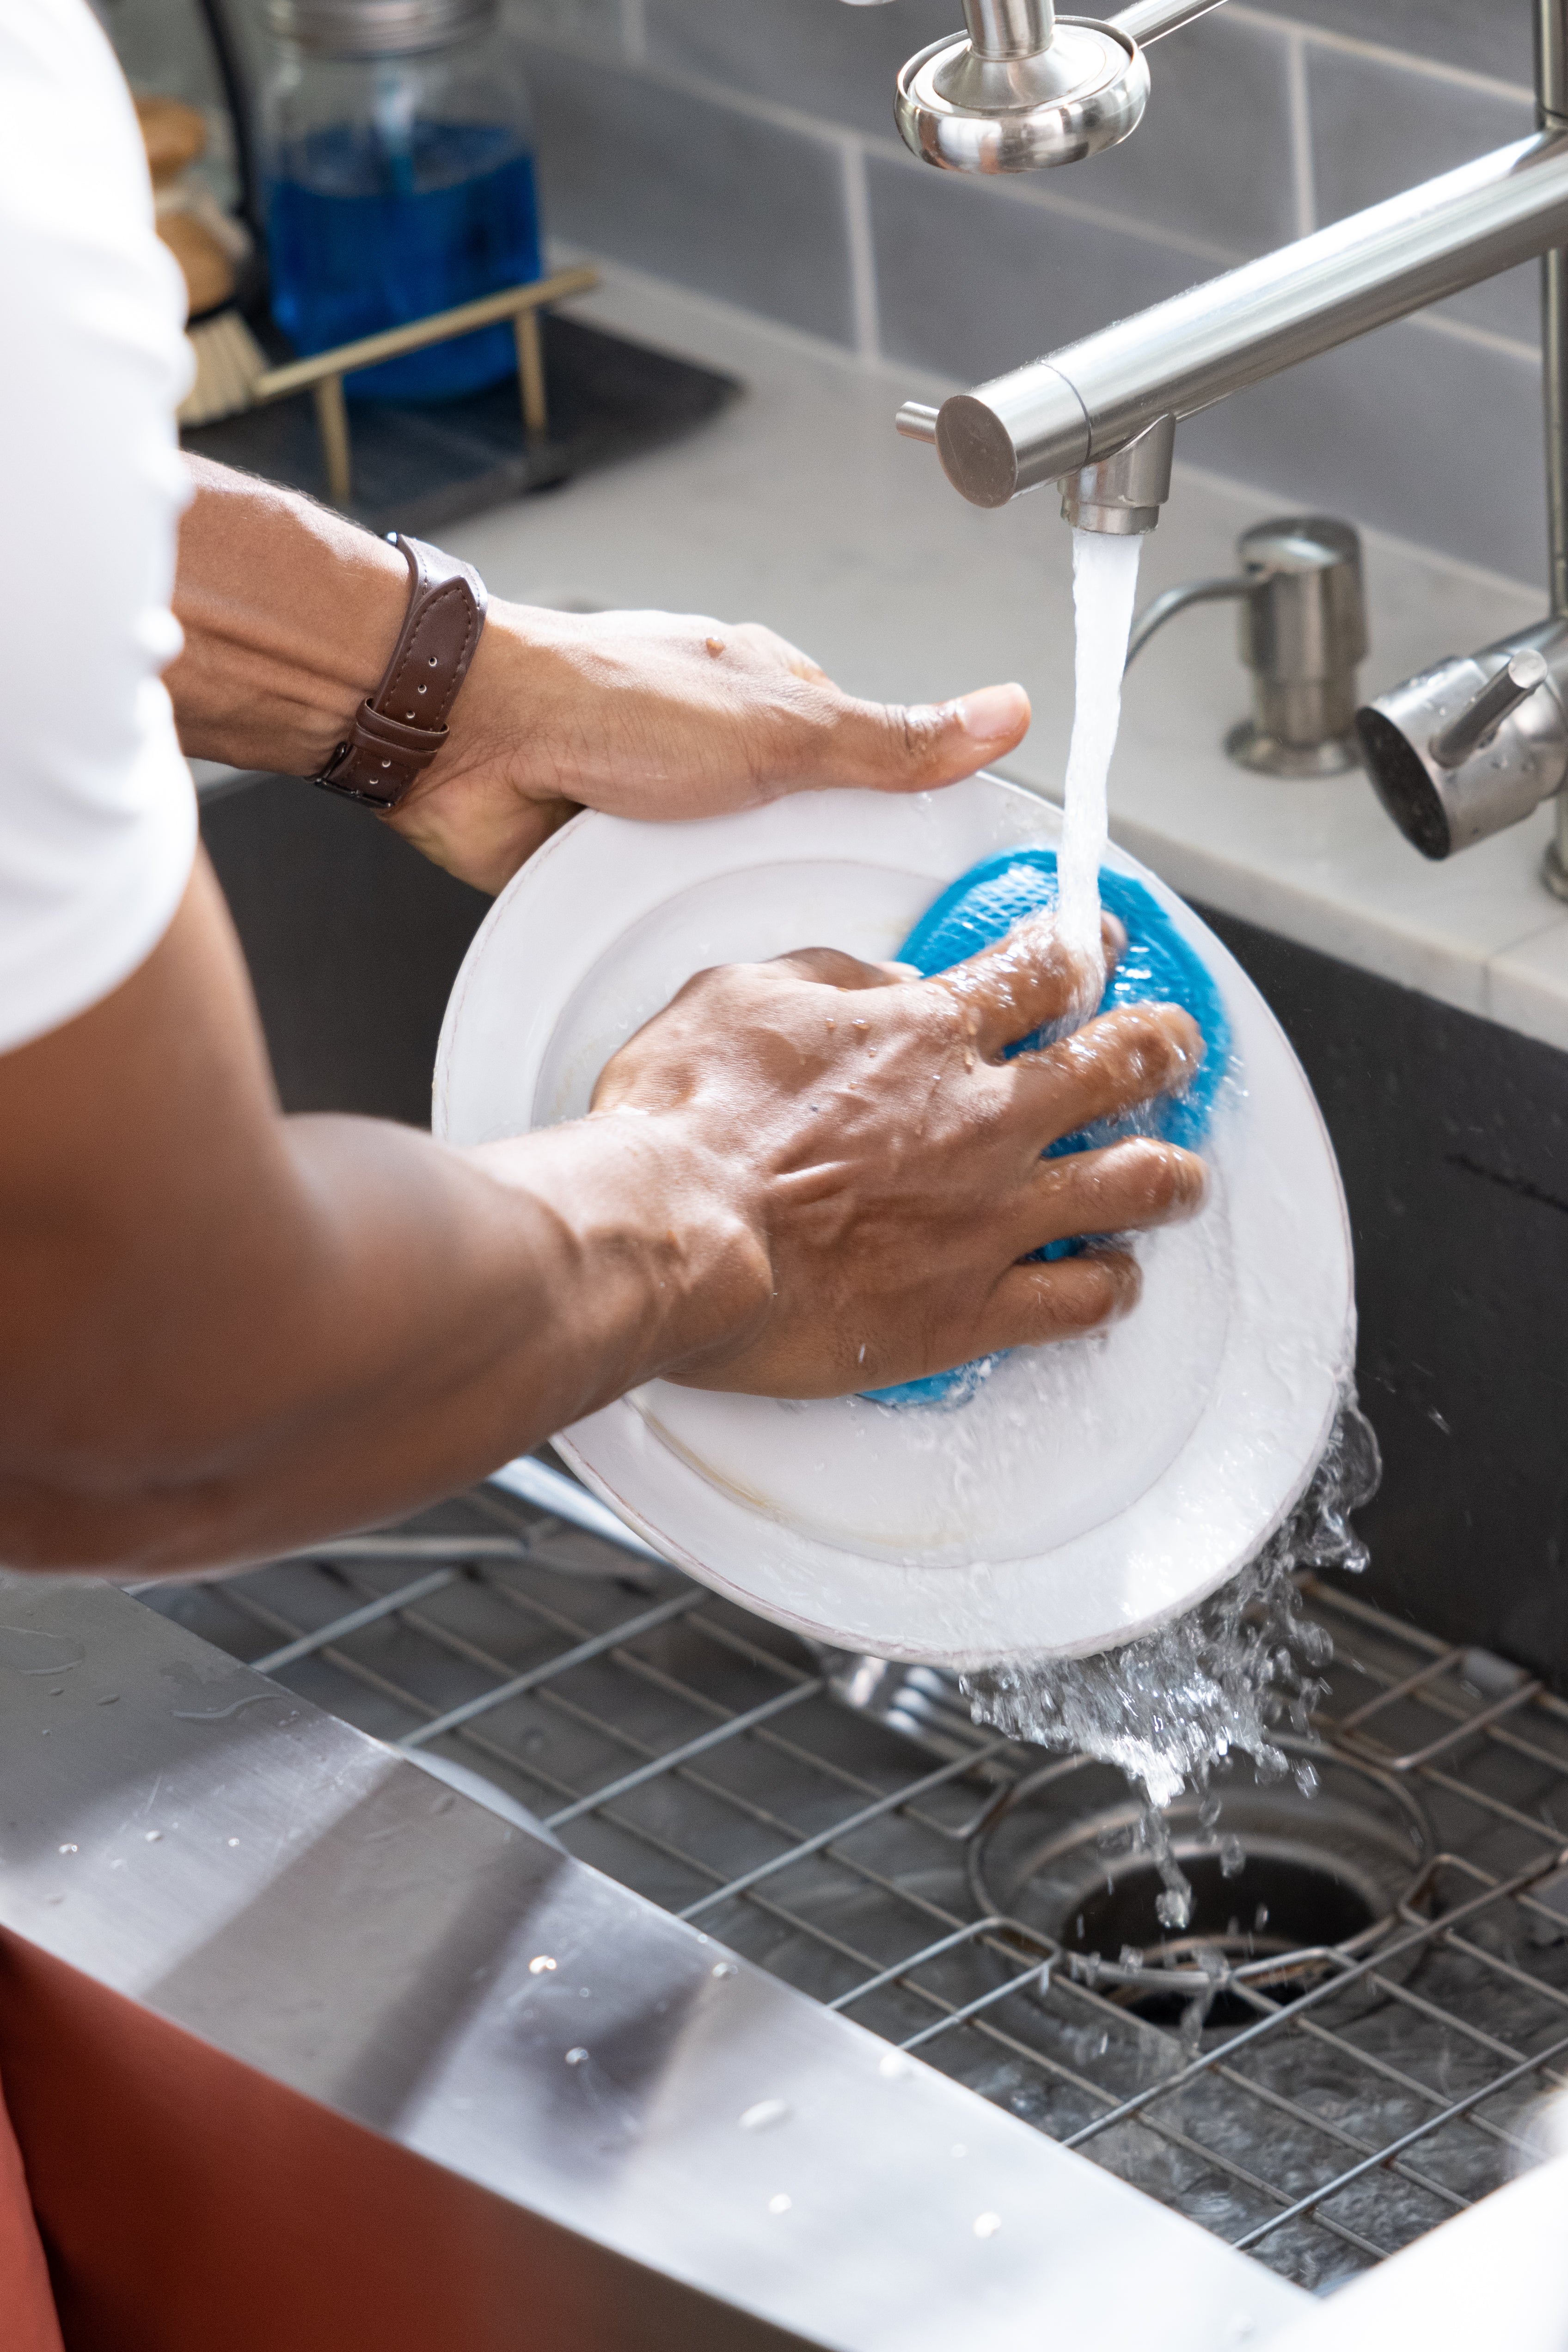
(399, 175)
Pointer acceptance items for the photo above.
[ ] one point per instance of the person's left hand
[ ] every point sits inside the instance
(665, 715)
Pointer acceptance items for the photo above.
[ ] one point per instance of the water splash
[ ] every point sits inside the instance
(1104, 586)
(1229, 1675)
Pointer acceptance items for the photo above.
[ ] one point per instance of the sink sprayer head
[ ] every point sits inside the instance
(1470, 747)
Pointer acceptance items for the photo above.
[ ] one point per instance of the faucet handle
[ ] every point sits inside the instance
(1150, 20)
(1482, 717)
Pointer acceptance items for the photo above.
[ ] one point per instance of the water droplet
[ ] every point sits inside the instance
(765, 2113)
(586, 1994)
(222, 1714)
(892, 2065)
(781, 2203)
(540, 1964)
(1232, 1857)
(578, 2057)
(27, 1652)
(154, 1836)
(725, 1968)
(234, 1840)
(987, 2224)
(110, 1698)
(68, 1849)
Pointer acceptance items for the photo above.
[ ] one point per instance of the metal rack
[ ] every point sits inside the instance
(825, 1831)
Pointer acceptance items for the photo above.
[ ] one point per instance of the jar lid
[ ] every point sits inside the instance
(370, 28)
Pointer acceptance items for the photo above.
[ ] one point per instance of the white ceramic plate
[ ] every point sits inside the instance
(1090, 1491)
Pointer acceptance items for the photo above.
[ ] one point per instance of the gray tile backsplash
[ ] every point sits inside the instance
(598, 24)
(1485, 36)
(745, 147)
(973, 278)
(1377, 129)
(1386, 432)
(744, 209)
(817, 55)
(1211, 158)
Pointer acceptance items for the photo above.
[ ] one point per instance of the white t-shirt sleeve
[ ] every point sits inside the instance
(98, 819)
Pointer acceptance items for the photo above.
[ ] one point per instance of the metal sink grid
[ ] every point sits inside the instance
(712, 1763)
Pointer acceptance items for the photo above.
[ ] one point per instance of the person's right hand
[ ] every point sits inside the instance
(884, 1164)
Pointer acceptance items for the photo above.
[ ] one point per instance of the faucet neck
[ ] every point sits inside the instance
(1551, 109)
(1551, 62)
(1003, 31)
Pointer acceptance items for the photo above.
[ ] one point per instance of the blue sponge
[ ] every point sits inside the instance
(1157, 966)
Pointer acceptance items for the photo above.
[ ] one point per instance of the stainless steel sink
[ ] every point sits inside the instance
(1342, 2051)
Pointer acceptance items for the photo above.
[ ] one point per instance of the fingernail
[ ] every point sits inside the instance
(993, 711)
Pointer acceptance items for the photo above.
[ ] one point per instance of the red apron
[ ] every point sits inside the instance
(27, 2321)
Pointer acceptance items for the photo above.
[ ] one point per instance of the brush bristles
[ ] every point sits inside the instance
(229, 364)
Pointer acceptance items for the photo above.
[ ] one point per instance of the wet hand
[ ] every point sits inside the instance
(884, 1161)
(665, 715)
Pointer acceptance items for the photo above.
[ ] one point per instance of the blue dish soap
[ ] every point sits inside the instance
(399, 181)
(1157, 966)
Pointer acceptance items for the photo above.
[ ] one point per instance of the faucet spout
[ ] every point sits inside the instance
(1064, 412)
(1123, 494)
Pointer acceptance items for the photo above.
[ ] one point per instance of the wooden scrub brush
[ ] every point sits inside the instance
(208, 245)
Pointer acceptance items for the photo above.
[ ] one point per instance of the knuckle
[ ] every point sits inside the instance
(1159, 1179)
(1111, 1288)
(917, 729)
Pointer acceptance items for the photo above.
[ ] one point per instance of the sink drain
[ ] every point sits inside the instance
(1282, 1905)
(1284, 1886)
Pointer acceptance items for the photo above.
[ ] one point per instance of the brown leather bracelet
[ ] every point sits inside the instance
(399, 729)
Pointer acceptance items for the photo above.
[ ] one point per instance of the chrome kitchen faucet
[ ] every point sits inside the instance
(1465, 749)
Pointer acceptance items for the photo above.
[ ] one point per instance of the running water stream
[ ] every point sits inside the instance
(1170, 1708)
(1104, 586)
(1229, 1675)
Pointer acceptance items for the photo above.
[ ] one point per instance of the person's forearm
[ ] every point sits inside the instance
(285, 1328)
(421, 1324)
(290, 614)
